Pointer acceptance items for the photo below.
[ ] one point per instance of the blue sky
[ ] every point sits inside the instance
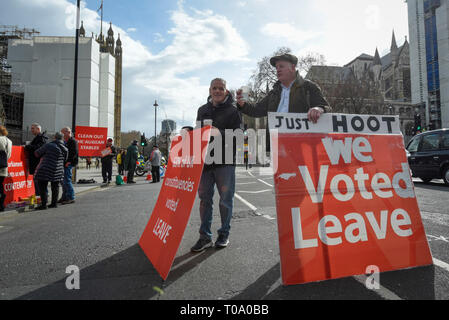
(173, 48)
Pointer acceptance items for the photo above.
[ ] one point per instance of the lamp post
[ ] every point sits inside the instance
(155, 121)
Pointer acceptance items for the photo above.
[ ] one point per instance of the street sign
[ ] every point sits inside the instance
(344, 196)
(165, 229)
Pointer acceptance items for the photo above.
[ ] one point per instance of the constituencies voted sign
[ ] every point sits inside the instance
(163, 234)
(344, 197)
(91, 140)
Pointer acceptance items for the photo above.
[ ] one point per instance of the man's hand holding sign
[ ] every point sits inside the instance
(345, 199)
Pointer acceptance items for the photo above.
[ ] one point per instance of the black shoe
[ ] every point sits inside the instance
(222, 241)
(61, 200)
(104, 181)
(53, 205)
(201, 245)
(68, 201)
(41, 207)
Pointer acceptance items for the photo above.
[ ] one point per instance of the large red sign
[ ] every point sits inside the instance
(18, 184)
(91, 140)
(165, 229)
(345, 199)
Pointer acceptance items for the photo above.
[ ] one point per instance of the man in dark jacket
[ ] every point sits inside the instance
(52, 156)
(68, 194)
(106, 162)
(291, 94)
(222, 113)
(39, 140)
(132, 154)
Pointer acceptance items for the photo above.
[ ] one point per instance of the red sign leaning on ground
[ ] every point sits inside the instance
(91, 140)
(18, 184)
(345, 198)
(165, 229)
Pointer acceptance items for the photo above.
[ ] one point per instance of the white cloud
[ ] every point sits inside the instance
(131, 30)
(293, 35)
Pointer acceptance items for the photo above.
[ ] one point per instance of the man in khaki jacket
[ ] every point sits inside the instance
(291, 94)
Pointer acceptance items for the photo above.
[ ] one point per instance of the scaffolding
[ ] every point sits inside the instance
(11, 102)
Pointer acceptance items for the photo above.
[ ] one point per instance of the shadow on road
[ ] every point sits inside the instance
(127, 275)
(431, 186)
(417, 283)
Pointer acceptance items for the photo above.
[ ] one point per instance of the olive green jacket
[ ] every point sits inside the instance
(304, 95)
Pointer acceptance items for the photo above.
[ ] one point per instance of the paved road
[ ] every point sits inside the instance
(99, 234)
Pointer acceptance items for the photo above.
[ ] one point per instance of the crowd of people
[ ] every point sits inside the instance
(52, 162)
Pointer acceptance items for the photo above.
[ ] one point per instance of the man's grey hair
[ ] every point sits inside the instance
(58, 136)
(66, 129)
(218, 79)
(37, 125)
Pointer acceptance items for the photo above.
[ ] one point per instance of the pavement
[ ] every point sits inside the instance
(79, 188)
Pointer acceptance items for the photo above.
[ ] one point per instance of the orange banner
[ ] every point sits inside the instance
(345, 199)
(165, 229)
(19, 184)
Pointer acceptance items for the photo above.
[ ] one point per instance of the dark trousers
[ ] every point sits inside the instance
(106, 170)
(156, 173)
(44, 192)
(2, 194)
(131, 170)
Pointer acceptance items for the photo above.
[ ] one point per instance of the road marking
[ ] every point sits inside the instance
(382, 291)
(438, 238)
(441, 264)
(245, 183)
(254, 192)
(245, 202)
(270, 185)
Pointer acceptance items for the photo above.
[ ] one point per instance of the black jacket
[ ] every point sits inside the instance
(223, 116)
(52, 158)
(108, 159)
(72, 146)
(37, 142)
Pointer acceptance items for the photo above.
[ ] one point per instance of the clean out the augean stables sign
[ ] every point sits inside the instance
(165, 229)
(344, 197)
(91, 140)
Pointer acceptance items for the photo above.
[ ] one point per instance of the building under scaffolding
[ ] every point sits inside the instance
(11, 102)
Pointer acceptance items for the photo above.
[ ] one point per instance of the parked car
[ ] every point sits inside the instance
(428, 155)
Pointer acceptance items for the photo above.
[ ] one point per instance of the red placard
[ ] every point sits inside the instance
(91, 140)
(19, 184)
(165, 229)
(345, 199)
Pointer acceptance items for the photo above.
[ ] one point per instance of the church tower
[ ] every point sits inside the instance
(118, 93)
(110, 40)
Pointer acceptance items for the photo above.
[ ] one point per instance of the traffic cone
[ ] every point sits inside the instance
(149, 177)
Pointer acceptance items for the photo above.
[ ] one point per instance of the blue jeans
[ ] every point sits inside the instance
(67, 188)
(224, 178)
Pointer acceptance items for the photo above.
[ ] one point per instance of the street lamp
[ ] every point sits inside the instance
(155, 121)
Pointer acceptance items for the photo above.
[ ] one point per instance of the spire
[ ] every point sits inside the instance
(394, 46)
(82, 31)
(377, 60)
(110, 31)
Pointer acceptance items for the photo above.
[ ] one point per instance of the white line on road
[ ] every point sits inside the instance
(270, 185)
(441, 264)
(254, 192)
(246, 202)
(245, 183)
(382, 291)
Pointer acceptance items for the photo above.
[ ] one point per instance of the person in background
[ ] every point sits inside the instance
(52, 156)
(155, 159)
(5, 148)
(120, 160)
(106, 162)
(132, 153)
(68, 194)
(88, 162)
(39, 140)
(97, 163)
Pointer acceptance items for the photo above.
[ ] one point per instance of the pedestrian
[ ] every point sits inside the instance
(52, 156)
(155, 159)
(291, 93)
(221, 110)
(120, 160)
(106, 161)
(88, 162)
(97, 163)
(68, 194)
(38, 141)
(132, 153)
(5, 154)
